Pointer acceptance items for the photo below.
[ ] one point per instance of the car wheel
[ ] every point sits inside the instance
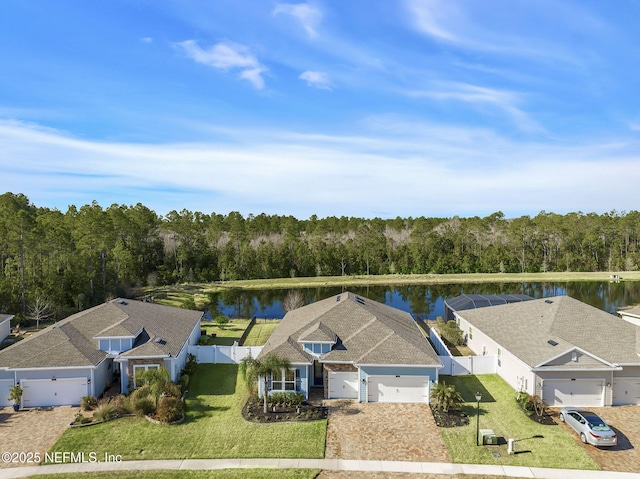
(562, 417)
(583, 438)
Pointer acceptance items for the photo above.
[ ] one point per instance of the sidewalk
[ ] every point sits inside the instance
(325, 464)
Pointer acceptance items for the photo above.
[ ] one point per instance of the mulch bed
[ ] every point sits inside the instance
(449, 419)
(545, 419)
(254, 411)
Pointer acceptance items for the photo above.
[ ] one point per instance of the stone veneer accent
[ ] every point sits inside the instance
(137, 362)
(336, 368)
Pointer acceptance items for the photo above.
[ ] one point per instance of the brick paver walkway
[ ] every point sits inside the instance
(625, 420)
(32, 430)
(376, 431)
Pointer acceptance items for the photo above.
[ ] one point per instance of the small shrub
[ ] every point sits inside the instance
(105, 411)
(286, 398)
(190, 366)
(88, 402)
(171, 390)
(183, 382)
(80, 419)
(450, 332)
(170, 409)
(204, 340)
(122, 404)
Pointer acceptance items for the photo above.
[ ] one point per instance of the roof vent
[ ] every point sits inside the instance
(122, 301)
(160, 341)
(552, 342)
(337, 298)
(359, 300)
(548, 301)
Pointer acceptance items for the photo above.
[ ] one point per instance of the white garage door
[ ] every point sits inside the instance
(343, 385)
(406, 389)
(626, 391)
(61, 392)
(5, 385)
(579, 392)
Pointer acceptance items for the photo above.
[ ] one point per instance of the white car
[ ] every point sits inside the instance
(589, 426)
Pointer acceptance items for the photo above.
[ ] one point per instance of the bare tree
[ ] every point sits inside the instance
(40, 309)
(294, 299)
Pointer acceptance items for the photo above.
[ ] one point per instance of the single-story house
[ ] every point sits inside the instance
(84, 353)
(5, 326)
(353, 347)
(564, 351)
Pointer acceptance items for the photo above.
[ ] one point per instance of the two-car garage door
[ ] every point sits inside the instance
(573, 392)
(60, 392)
(398, 389)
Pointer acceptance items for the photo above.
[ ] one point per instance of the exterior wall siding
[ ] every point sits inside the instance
(102, 377)
(5, 328)
(54, 373)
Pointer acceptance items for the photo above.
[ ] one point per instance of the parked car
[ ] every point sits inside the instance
(589, 426)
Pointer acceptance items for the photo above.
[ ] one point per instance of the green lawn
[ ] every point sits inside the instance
(226, 335)
(214, 428)
(536, 445)
(216, 474)
(260, 332)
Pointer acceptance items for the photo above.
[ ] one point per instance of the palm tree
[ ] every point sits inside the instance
(256, 369)
(445, 397)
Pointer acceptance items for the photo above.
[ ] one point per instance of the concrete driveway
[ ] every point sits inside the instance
(377, 431)
(32, 430)
(625, 420)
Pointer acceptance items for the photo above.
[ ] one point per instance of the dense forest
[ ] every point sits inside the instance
(74, 259)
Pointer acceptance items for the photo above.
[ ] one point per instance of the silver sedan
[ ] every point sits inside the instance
(589, 426)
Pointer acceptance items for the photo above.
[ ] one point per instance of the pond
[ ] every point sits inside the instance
(425, 301)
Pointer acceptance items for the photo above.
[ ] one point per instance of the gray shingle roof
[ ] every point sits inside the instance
(525, 329)
(73, 341)
(367, 332)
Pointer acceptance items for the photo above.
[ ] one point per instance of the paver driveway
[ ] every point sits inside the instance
(625, 420)
(32, 430)
(377, 431)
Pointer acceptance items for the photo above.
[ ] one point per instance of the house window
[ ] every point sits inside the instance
(470, 333)
(574, 356)
(317, 348)
(499, 357)
(140, 368)
(287, 380)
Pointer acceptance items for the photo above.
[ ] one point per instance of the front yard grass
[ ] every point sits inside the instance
(213, 428)
(536, 445)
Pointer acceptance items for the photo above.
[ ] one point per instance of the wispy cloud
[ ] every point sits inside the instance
(316, 79)
(227, 56)
(146, 40)
(502, 100)
(325, 174)
(307, 15)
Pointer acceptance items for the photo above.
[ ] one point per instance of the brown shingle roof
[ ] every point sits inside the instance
(367, 332)
(525, 329)
(73, 341)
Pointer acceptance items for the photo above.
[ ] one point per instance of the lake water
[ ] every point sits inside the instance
(425, 301)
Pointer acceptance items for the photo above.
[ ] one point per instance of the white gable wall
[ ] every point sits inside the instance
(514, 371)
(5, 328)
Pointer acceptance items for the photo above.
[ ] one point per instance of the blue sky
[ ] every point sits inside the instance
(360, 108)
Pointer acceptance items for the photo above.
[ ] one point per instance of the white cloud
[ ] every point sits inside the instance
(307, 15)
(503, 100)
(146, 40)
(278, 171)
(227, 56)
(316, 79)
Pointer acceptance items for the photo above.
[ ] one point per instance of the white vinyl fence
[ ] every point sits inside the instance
(461, 365)
(223, 354)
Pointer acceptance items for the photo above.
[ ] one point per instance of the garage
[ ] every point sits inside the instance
(626, 391)
(398, 389)
(56, 392)
(573, 392)
(343, 384)
(5, 385)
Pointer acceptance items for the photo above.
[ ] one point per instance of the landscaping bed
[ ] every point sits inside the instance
(254, 411)
(451, 418)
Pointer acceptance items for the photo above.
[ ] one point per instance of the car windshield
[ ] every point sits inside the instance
(596, 424)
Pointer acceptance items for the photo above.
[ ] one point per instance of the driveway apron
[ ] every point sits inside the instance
(377, 431)
(32, 430)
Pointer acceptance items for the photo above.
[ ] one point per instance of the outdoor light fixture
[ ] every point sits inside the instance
(478, 398)
(364, 380)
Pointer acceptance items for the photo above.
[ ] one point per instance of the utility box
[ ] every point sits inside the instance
(487, 437)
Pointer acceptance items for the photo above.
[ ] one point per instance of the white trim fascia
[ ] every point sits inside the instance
(52, 368)
(144, 357)
(335, 362)
(575, 348)
(400, 366)
(304, 341)
(114, 337)
(301, 364)
(9, 318)
(581, 370)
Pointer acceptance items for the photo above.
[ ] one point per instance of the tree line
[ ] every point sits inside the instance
(83, 256)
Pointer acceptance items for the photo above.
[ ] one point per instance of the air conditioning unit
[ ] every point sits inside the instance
(487, 437)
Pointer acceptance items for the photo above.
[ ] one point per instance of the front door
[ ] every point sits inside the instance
(318, 377)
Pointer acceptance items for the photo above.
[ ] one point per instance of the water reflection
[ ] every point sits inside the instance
(424, 301)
